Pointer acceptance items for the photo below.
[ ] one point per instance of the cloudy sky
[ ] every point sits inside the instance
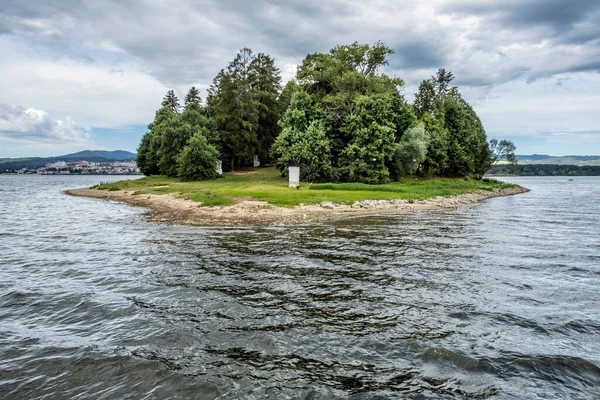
(89, 74)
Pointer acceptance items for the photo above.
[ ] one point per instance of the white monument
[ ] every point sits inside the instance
(256, 162)
(219, 167)
(294, 173)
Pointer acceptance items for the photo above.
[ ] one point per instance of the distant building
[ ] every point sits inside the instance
(57, 165)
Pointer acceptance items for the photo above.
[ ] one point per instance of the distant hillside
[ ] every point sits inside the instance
(86, 155)
(546, 170)
(563, 160)
(115, 155)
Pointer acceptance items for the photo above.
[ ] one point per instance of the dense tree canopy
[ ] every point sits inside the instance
(243, 102)
(342, 118)
(304, 139)
(198, 159)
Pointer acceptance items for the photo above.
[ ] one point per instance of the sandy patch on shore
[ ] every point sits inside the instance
(175, 210)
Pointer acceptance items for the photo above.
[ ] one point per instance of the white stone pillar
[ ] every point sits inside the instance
(294, 173)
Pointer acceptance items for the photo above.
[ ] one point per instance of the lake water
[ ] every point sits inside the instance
(496, 300)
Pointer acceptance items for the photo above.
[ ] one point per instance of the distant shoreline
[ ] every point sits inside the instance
(127, 174)
(169, 209)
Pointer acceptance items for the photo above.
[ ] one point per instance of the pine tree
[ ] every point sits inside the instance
(442, 80)
(232, 104)
(213, 94)
(265, 81)
(236, 121)
(192, 97)
(425, 98)
(171, 101)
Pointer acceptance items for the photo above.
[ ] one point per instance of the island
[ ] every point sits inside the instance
(341, 133)
(260, 197)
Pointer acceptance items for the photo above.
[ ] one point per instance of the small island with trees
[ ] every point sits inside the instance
(360, 145)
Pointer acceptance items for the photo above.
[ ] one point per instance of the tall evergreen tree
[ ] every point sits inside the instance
(265, 81)
(171, 101)
(236, 121)
(233, 105)
(442, 80)
(425, 98)
(213, 94)
(192, 96)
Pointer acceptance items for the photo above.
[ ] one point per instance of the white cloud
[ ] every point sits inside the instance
(565, 103)
(94, 94)
(31, 126)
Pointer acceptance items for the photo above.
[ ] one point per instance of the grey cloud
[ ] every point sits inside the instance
(418, 55)
(557, 14)
(187, 42)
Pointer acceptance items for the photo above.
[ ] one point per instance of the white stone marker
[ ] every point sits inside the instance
(294, 173)
(256, 162)
(219, 167)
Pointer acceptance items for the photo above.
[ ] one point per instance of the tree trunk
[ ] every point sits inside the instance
(232, 162)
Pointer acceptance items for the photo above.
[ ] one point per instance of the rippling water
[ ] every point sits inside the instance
(500, 300)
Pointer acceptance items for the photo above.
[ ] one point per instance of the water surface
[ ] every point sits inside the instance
(494, 300)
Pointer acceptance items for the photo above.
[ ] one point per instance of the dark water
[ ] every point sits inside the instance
(496, 300)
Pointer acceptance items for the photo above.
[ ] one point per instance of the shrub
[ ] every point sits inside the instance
(198, 160)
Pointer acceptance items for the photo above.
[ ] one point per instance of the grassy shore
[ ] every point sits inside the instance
(266, 184)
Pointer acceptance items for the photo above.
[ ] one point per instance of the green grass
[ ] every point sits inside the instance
(266, 184)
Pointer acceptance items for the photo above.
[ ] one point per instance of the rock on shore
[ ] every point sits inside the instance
(176, 210)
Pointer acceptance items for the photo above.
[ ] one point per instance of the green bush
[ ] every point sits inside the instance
(198, 160)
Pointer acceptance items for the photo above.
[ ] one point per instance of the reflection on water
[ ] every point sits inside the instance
(496, 299)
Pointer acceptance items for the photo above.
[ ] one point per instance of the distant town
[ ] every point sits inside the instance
(87, 162)
(83, 168)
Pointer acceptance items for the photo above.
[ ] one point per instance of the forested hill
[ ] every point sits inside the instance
(561, 160)
(115, 155)
(546, 170)
(86, 155)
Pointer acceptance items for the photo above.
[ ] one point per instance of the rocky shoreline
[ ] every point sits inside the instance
(176, 210)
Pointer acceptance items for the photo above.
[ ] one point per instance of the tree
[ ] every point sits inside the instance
(174, 135)
(410, 152)
(467, 138)
(198, 159)
(441, 81)
(236, 121)
(339, 83)
(436, 159)
(171, 101)
(143, 157)
(195, 116)
(310, 148)
(214, 93)
(265, 81)
(425, 98)
(285, 97)
(233, 106)
(192, 97)
(503, 150)
(371, 131)
(148, 154)
(294, 123)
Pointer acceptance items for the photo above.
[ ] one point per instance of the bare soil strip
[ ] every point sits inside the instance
(174, 210)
